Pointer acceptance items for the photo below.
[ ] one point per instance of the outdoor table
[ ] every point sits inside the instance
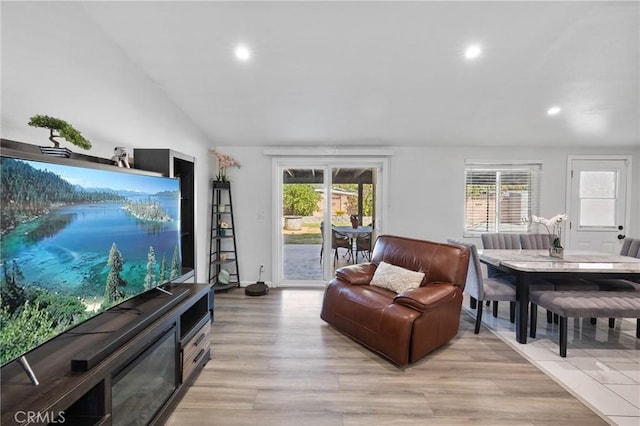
(354, 234)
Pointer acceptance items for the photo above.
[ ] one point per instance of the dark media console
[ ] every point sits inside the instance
(162, 302)
(153, 335)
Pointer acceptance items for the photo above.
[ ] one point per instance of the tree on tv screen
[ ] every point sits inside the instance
(30, 315)
(113, 292)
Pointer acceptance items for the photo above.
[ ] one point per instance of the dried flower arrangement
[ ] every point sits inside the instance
(224, 161)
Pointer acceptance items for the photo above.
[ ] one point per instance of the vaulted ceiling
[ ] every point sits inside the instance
(332, 73)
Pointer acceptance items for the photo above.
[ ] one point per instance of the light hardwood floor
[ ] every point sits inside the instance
(275, 362)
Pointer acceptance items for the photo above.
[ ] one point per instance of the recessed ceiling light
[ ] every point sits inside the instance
(554, 110)
(473, 51)
(243, 53)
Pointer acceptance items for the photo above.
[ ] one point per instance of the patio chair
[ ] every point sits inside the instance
(485, 289)
(322, 244)
(363, 245)
(338, 241)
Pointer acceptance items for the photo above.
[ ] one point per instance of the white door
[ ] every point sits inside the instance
(598, 202)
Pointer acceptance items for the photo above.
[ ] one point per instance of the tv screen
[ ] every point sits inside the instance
(77, 240)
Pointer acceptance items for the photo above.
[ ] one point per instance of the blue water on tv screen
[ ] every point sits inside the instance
(76, 241)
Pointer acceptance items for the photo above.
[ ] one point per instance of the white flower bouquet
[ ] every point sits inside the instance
(554, 229)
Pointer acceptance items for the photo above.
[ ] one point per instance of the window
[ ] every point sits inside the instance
(598, 196)
(499, 196)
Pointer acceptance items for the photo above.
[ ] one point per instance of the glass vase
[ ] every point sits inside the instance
(557, 252)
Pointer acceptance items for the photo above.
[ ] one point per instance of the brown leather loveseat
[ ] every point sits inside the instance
(404, 326)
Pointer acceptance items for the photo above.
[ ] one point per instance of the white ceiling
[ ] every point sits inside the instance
(344, 73)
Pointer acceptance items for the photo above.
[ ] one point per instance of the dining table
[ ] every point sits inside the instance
(531, 266)
(354, 234)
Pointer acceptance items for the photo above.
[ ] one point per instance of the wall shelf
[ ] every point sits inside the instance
(223, 254)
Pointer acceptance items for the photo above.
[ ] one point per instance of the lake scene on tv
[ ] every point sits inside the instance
(76, 241)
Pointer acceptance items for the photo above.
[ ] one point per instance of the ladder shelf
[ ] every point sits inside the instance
(223, 255)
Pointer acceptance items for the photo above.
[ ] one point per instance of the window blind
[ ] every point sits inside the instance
(499, 195)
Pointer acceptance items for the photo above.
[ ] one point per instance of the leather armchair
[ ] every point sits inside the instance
(402, 327)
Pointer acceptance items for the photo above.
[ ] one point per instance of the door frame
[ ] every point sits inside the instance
(569, 186)
(327, 163)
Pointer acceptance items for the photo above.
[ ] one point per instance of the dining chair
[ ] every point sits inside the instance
(500, 241)
(543, 242)
(535, 241)
(531, 241)
(485, 289)
(630, 248)
(509, 241)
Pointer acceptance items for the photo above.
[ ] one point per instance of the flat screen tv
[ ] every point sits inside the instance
(78, 238)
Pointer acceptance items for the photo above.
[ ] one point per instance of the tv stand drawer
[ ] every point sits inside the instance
(194, 350)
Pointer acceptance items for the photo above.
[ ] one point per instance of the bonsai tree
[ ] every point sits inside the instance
(64, 129)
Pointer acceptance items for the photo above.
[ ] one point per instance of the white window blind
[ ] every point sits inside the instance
(499, 196)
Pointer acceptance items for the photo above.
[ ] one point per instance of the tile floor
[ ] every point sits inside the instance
(602, 367)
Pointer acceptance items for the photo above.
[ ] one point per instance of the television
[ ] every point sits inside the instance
(76, 239)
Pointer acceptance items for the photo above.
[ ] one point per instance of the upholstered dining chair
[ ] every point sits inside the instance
(631, 248)
(500, 241)
(485, 289)
(543, 242)
(532, 241)
(507, 241)
(535, 241)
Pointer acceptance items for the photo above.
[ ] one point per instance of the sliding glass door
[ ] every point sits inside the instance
(328, 215)
(303, 199)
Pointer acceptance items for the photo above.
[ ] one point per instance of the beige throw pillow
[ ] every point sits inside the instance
(395, 278)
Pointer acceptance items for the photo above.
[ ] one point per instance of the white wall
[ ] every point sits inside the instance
(111, 103)
(426, 193)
